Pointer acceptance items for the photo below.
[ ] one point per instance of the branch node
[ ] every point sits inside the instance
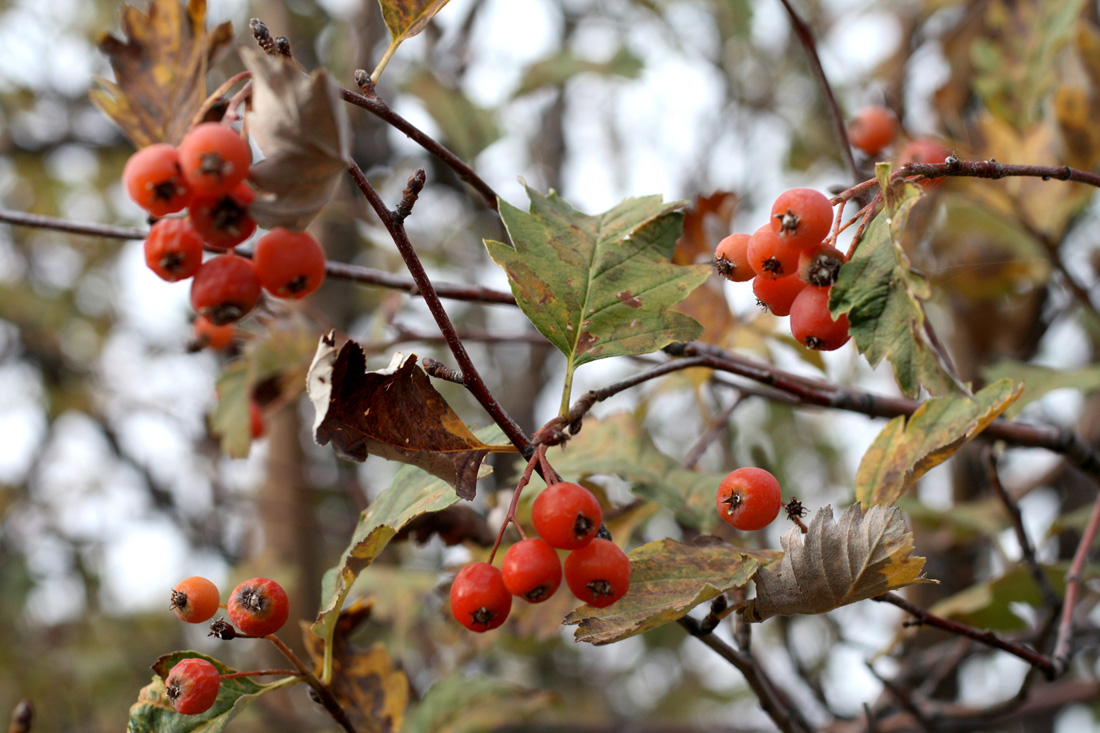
(439, 370)
(363, 81)
(410, 194)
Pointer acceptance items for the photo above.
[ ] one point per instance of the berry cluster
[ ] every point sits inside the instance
(258, 607)
(749, 499)
(791, 266)
(205, 175)
(566, 516)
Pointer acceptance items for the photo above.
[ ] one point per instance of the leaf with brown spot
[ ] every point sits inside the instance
(300, 124)
(909, 446)
(404, 19)
(598, 286)
(160, 67)
(394, 413)
(837, 563)
(667, 579)
(364, 681)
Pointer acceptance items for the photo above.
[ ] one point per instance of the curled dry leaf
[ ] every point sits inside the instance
(395, 413)
(837, 563)
(160, 69)
(300, 125)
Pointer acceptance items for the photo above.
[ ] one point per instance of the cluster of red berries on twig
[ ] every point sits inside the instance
(566, 516)
(792, 266)
(206, 176)
(257, 607)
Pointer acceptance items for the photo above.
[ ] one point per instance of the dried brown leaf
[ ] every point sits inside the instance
(300, 125)
(837, 563)
(394, 413)
(160, 67)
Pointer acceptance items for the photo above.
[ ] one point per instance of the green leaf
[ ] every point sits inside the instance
(619, 446)
(404, 19)
(413, 492)
(563, 66)
(884, 298)
(599, 286)
(153, 713)
(460, 704)
(988, 605)
(465, 128)
(667, 579)
(909, 446)
(1039, 380)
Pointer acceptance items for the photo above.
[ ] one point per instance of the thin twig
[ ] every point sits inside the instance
(1073, 585)
(717, 426)
(1029, 655)
(331, 704)
(470, 376)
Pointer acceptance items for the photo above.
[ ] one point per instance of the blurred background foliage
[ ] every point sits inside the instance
(113, 486)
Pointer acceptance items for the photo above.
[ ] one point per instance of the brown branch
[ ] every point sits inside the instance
(1029, 655)
(330, 703)
(374, 104)
(1073, 585)
(806, 37)
(20, 218)
(470, 376)
(717, 426)
(953, 167)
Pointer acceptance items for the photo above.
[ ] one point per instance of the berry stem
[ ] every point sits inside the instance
(332, 705)
(510, 515)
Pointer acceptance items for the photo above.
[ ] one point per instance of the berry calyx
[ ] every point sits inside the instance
(289, 264)
(731, 258)
(153, 179)
(598, 573)
(802, 217)
(769, 256)
(214, 158)
(192, 686)
(778, 295)
(872, 129)
(566, 515)
(207, 335)
(749, 499)
(225, 289)
(479, 599)
(813, 325)
(222, 219)
(820, 265)
(258, 607)
(531, 570)
(173, 249)
(195, 600)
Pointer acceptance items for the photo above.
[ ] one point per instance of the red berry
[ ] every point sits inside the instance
(289, 264)
(210, 336)
(479, 599)
(769, 256)
(598, 573)
(222, 219)
(566, 515)
(802, 217)
(531, 570)
(749, 499)
(872, 129)
(820, 265)
(214, 158)
(173, 249)
(256, 424)
(224, 289)
(778, 295)
(258, 607)
(813, 325)
(731, 258)
(195, 600)
(923, 150)
(192, 686)
(153, 179)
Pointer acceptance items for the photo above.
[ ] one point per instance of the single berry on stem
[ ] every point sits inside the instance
(214, 158)
(192, 686)
(813, 325)
(173, 249)
(532, 570)
(258, 607)
(749, 499)
(289, 264)
(802, 217)
(566, 515)
(195, 600)
(479, 599)
(598, 573)
(872, 129)
(154, 181)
